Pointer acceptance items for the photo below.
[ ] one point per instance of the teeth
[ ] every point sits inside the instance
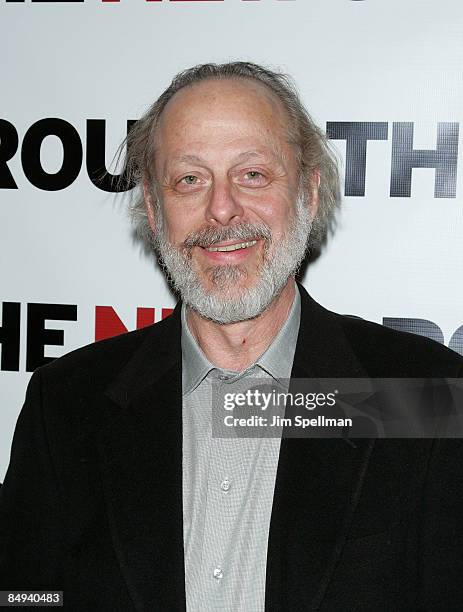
(232, 247)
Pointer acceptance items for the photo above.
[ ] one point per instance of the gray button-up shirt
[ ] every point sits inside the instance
(228, 484)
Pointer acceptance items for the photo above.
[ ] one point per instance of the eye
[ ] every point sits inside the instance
(254, 175)
(186, 183)
(190, 179)
(254, 178)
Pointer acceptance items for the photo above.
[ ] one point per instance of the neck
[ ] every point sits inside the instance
(236, 346)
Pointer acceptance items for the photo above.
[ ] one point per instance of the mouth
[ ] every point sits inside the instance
(227, 248)
(230, 252)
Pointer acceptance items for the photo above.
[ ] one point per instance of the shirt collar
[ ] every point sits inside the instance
(195, 364)
(277, 360)
(279, 356)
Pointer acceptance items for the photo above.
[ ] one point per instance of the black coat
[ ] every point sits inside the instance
(92, 500)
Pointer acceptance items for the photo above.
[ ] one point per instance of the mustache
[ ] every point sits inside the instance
(209, 236)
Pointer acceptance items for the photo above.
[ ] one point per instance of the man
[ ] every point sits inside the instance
(118, 494)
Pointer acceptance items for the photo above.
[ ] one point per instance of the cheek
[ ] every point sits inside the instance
(276, 213)
(178, 226)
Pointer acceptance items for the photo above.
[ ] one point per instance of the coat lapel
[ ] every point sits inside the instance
(318, 482)
(141, 468)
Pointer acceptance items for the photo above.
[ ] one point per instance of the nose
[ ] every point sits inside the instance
(223, 206)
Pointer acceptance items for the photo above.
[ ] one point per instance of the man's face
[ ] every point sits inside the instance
(228, 184)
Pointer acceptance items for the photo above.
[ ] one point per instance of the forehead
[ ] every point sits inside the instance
(221, 109)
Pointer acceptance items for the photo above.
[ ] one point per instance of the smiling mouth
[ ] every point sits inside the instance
(231, 247)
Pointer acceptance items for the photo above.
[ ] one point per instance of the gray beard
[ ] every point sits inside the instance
(225, 302)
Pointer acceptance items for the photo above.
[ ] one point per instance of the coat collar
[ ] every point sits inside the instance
(157, 355)
(317, 488)
(322, 349)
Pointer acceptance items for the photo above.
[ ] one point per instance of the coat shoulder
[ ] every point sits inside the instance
(388, 352)
(101, 360)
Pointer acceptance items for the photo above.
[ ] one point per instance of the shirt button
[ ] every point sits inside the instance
(225, 485)
(218, 573)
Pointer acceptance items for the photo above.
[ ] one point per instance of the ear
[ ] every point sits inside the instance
(149, 204)
(314, 187)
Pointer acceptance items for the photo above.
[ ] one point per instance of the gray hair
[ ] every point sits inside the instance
(314, 153)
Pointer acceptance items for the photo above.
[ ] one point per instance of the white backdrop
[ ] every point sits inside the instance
(354, 61)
